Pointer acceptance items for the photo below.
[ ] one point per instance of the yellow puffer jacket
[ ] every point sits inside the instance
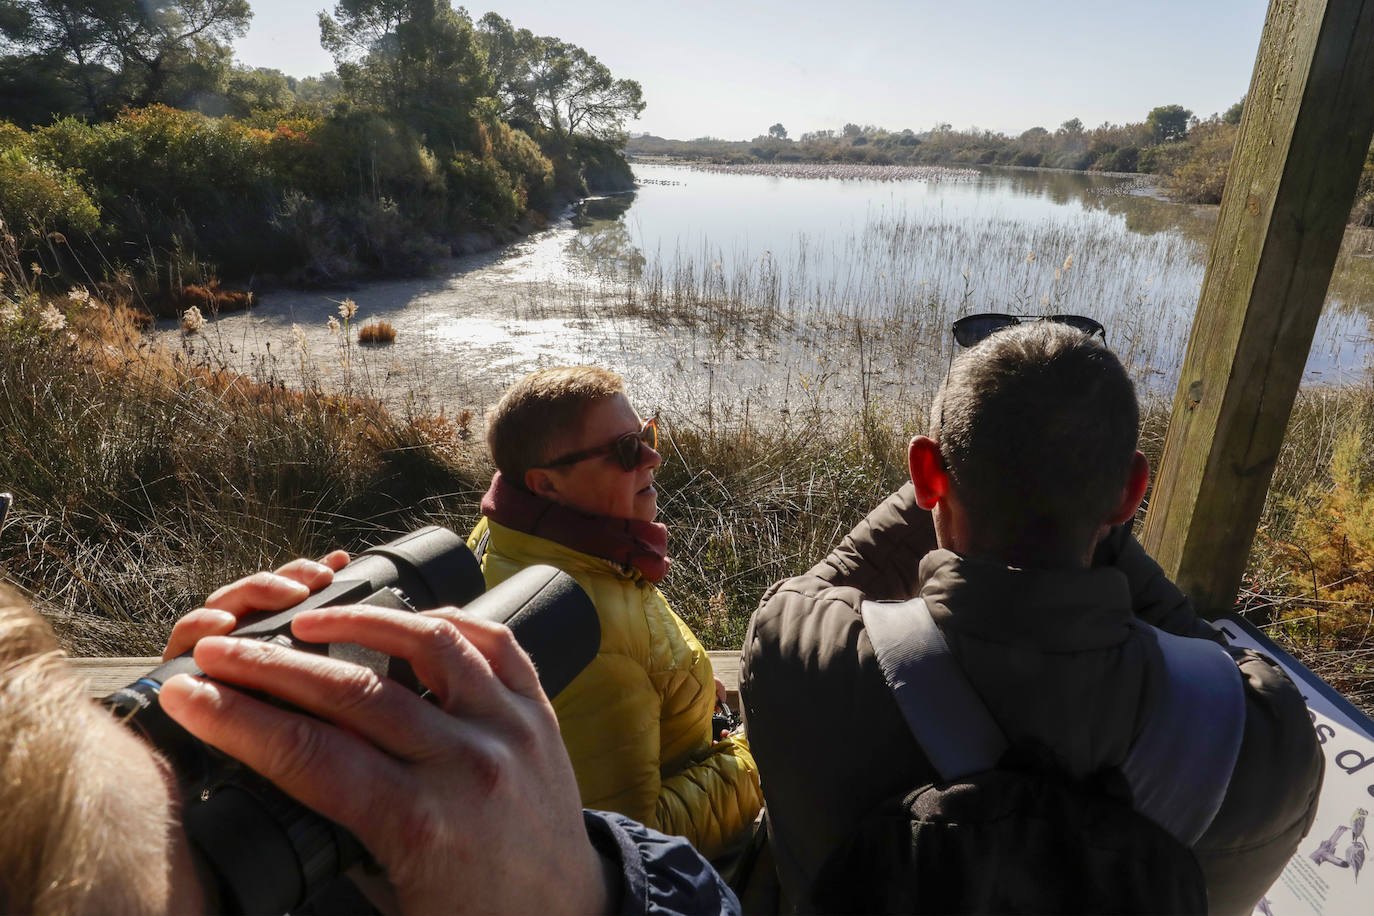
(637, 720)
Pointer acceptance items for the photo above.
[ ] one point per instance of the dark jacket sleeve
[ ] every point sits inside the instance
(659, 874)
(881, 556)
(1154, 599)
(813, 697)
(1272, 798)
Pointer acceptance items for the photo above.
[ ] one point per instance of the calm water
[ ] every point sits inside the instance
(897, 259)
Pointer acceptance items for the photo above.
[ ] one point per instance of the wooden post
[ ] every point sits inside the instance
(1308, 119)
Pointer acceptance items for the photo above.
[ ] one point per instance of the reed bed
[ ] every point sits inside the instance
(899, 281)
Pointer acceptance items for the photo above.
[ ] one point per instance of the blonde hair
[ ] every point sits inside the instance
(538, 410)
(74, 840)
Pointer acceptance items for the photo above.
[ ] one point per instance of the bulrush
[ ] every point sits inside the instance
(192, 321)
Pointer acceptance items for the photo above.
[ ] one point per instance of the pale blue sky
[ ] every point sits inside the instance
(731, 69)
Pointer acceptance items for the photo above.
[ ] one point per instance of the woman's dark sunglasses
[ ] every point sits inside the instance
(974, 329)
(628, 449)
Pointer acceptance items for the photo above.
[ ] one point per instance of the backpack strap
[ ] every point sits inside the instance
(1181, 763)
(1179, 767)
(958, 734)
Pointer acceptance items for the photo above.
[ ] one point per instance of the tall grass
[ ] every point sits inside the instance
(142, 480)
(898, 281)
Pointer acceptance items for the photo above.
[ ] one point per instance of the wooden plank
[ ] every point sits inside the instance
(726, 665)
(106, 675)
(1303, 137)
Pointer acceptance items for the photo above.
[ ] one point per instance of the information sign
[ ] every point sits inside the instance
(1324, 876)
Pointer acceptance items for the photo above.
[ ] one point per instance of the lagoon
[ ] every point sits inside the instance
(718, 292)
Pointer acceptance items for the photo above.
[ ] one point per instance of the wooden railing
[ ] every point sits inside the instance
(106, 675)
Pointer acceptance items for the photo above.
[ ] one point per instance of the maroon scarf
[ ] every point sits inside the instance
(629, 542)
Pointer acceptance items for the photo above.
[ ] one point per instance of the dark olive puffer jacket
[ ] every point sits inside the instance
(1056, 655)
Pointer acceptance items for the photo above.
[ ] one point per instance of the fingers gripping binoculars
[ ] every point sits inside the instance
(259, 850)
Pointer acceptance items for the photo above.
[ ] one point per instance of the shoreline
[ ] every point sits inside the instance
(649, 159)
(164, 311)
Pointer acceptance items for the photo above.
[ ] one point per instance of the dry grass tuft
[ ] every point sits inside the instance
(376, 332)
(210, 298)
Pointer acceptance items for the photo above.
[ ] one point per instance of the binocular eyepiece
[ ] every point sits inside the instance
(260, 850)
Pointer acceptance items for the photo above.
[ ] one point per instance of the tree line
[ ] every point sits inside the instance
(1145, 146)
(126, 120)
(1191, 155)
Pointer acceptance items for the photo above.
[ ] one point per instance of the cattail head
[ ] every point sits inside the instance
(192, 320)
(50, 319)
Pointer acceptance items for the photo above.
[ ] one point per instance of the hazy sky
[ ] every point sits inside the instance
(731, 69)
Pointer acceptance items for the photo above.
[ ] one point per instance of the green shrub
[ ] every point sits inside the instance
(12, 136)
(1166, 159)
(481, 188)
(388, 241)
(184, 188)
(1125, 159)
(37, 198)
(293, 155)
(290, 191)
(366, 153)
(522, 159)
(1202, 177)
(165, 158)
(603, 166)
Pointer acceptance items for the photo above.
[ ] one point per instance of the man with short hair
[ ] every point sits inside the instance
(1011, 531)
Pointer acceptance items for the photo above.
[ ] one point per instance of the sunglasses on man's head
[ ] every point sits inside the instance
(628, 450)
(974, 329)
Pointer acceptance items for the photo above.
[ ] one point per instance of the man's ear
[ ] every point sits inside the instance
(1137, 480)
(541, 482)
(927, 471)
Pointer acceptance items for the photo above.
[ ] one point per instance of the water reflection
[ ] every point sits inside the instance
(602, 246)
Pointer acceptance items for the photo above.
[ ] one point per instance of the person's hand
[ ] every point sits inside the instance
(262, 591)
(722, 709)
(469, 803)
